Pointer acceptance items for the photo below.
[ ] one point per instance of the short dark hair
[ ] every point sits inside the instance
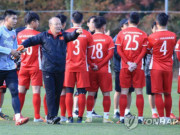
(153, 25)
(62, 17)
(31, 16)
(9, 12)
(1, 18)
(134, 18)
(162, 19)
(91, 17)
(77, 17)
(99, 22)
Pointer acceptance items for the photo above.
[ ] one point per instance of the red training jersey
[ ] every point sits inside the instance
(31, 59)
(76, 58)
(131, 41)
(102, 44)
(162, 43)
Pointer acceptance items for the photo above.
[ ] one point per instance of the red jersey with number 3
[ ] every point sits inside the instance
(131, 41)
(162, 44)
(31, 59)
(102, 44)
(76, 58)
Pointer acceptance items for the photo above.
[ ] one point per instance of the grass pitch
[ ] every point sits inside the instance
(95, 128)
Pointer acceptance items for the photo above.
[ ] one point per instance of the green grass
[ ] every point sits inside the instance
(95, 128)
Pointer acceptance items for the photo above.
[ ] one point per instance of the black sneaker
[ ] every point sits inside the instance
(70, 120)
(95, 115)
(3, 116)
(128, 115)
(140, 121)
(75, 114)
(79, 120)
(116, 115)
(55, 120)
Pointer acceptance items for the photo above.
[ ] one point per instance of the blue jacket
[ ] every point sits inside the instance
(53, 49)
(116, 58)
(8, 42)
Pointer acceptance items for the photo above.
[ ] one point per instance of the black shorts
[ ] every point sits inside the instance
(117, 84)
(148, 85)
(77, 94)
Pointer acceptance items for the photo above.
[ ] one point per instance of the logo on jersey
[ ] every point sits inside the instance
(61, 38)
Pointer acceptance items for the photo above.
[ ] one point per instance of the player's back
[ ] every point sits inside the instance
(76, 59)
(31, 59)
(162, 44)
(102, 44)
(133, 39)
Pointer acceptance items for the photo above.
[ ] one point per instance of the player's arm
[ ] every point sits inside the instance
(142, 54)
(177, 49)
(70, 36)
(106, 59)
(116, 55)
(89, 52)
(32, 41)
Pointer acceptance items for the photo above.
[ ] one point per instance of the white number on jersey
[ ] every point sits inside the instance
(164, 48)
(76, 46)
(99, 53)
(29, 51)
(129, 38)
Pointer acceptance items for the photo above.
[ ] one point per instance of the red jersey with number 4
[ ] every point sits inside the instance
(162, 44)
(100, 49)
(31, 59)
(76, 58)
(131, 42)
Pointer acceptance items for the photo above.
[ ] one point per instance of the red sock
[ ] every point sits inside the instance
(159, 104)
(45, 105)
(81, 104)
(179, 108)
(140, 104)
(90, 103)
(37, 105)
(21, 99)
(69, 103)
(122, 104)
(106, 103)
(63, 105)
(168, 104)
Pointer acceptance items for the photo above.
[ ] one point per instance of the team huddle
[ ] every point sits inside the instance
(81, 59)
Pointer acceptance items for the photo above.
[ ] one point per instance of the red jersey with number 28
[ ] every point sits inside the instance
(102, 44)
(76, 58)
(131, 41)
(162, 44)
(31, 59)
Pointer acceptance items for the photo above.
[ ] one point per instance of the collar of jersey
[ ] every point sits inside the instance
(76, 27)
(162, 30)
(98, 33)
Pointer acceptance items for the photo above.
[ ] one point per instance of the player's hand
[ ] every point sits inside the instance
(20, 48)
(15, 53)
(79, 31)
(132, 67)
(95, 68)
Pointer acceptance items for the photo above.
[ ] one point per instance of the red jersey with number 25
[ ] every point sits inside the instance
(102, 44)
(162, 44)
(31, 59)
(76, 58)
(131, 41)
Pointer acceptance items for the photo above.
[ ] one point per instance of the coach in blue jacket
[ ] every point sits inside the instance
(53, 44)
